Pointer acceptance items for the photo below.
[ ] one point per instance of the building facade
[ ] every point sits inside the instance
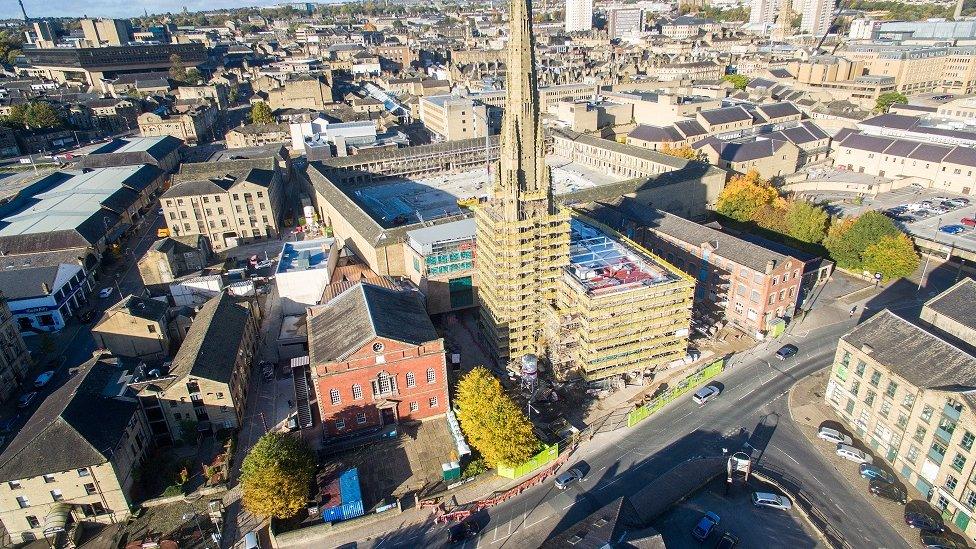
(135, 327)
(15, 359)
(579, 15)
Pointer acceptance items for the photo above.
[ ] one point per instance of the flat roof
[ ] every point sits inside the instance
(603, 265)
(423, 239)
(305, 255)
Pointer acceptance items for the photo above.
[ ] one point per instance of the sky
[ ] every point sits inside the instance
(9, 9)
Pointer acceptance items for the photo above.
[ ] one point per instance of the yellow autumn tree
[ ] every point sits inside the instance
(685, 151)
(275, 476)
(744, 195)
(491, 420)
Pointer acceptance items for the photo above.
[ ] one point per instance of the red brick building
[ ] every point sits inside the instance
(375, 359)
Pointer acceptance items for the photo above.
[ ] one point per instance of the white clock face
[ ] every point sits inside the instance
(377, 347)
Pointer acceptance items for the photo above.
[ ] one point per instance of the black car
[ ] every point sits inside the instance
(924, 522)
(464, 530)
(786, 351)
(887, 490)
(727, 541)
(940, 541)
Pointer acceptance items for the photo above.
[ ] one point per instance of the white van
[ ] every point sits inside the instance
(703, 395)
(251, 541)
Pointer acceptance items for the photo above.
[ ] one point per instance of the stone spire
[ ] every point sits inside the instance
(522, 167)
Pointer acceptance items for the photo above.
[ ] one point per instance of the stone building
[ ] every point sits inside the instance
(15, 360)
(76, 457)
(301, 93)
(375, 360)
(174, 256)
(257, 135)
(135, 327)
(192, 124)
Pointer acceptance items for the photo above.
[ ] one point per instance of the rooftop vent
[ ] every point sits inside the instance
(866, 348)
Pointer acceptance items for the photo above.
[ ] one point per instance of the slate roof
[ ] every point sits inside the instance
(725, 115)
(616, 524)
(615, 213)
(26, 282)
(911, 352)
(346, 322)
(908, 148)
(131, 151)
(210, 348)
(655, 133)
(78, 425)
(778, 110)
(957, 303)
(744, 151)
(867, 142)
(965, 156)
(689, 128)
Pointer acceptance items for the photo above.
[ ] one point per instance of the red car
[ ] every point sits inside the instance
(968, 221)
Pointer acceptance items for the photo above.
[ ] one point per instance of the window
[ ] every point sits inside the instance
(846, 359)
(850, 406)
(89, 488)
(56, 495)
(937, 452)
(875, 378)
(48, 478)
(919, 433)
(32, 522)
(967, 440)
(902, 421)
(927, 413)
(430, 375)
(14, 484)
(859, 369)
(754, 296)
(361, 418)
(357, 392)
(384, 385)
(908, 401)
(943, 503)
(892, 388)
(334, 396)
(772, 298)
(958, 462)
(951, 482)
(433, 402)
(414, 406)
(869, 398)
(855, 387)
(151, 328)
(340, 424)
(885, 408)
(411, 380)
(23, 502)
(83, 472)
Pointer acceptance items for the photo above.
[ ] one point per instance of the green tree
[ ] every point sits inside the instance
(36, 115)
(743, 195)
(886, 100)
(493, 423)
(261, 113)
(193, 75)
(806, 222)
(739, 81)
(177, 70)
(892, 256)
(275, 476)
(771, 216)
(847, 241)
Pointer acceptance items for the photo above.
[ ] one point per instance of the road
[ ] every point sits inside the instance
(752, 408)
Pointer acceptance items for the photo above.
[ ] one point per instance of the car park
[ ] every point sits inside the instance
(922, 521)
(569, 477)
(463, 530)
(706, 525)
(952, 229)
(835, 436)
(727, 541)
(705, 394)
(43, 379)
(872, 472)
(786, 351)
(766, 499)
(851, 453)
(968, 222)
(888, 490)
(26, 399)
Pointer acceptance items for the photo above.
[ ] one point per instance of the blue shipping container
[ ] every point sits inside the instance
(351, 499)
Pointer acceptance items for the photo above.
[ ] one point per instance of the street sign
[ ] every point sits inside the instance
(877, 276)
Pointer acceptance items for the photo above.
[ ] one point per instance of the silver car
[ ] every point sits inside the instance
(835, 436)
(569, 477)
(765, 499)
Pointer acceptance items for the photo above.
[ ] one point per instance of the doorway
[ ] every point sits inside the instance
(388, 416)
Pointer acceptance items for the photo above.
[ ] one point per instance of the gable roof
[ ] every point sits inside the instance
(366, 311)
(78, 425)
(725, 115)
(956, 303)
(210, 348)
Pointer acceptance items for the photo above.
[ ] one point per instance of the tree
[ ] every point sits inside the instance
(806, 222)
(886, 100)
(771, 216)
(743, 195)
(685, 151)
(34, 115)
(275, 476)
(193, 75)
(492, 422)
(848, 240)
(737, 80)
(177, 70)
(892, 256)
(261, 113)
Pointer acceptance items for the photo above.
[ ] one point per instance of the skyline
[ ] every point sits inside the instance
(131, 8)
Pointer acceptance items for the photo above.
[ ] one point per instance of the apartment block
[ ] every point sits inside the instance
(452, 118)
(920, 419)
(313, 92)
(190, 123)
(107, 32)
(76, 457)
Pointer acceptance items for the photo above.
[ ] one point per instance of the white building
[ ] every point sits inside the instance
(625, 21)
(763, 13)
(304, 270)
(341, 134)
(817, 16)
(863, 29)
(579, 15)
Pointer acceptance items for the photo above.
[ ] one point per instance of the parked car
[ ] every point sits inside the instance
(464, 530)
(931, 540)
(851, 453)
(705, 394)
(727, 541)
(706, 525)
(924, 522)
(786, 351)
(43, 379)
(968, 222)
(888, 490)
(765, 499)
(960, 201)
(835, 436)
(871, 472)
(105, 292)
(26, 399)
(569, 477)
(952, 229)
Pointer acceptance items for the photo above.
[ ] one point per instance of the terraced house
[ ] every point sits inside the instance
(904, 387)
